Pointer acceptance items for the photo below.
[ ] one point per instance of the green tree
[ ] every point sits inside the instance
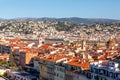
(3, 63)
(20, 68)
(12, 64)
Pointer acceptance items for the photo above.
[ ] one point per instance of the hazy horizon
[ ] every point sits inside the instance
(105, 9)
(54, 18)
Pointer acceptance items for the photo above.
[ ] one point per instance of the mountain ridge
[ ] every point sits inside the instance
(70, 19)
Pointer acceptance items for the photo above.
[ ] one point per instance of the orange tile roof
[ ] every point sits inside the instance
(53, 58)
(101, 58)
(84, 65)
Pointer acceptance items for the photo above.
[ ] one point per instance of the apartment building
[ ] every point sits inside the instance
(5, 49)
(104, 70)
(61, 67)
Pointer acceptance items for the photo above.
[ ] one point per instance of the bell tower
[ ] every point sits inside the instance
(83, 45)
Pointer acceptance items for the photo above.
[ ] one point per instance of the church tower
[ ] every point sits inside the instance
(83, 45)
(40, 40)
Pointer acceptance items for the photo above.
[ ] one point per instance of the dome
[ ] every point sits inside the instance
(111, 42)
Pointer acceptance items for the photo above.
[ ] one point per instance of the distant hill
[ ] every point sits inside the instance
(72, 19)
(82, 20)
(1, 19)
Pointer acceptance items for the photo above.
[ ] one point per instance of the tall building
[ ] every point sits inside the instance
(104, 70)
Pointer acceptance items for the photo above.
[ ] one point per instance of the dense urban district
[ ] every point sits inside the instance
(59, 50)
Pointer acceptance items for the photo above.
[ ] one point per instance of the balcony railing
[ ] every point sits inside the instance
(50, 66)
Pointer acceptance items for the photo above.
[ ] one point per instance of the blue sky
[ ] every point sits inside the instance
(60, 8)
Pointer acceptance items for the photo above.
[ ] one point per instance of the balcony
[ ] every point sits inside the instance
(69, 73)
(89, 75)
(50, 66)
(50, 70)
(16, 59)
(17, 54)
(51, 77)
